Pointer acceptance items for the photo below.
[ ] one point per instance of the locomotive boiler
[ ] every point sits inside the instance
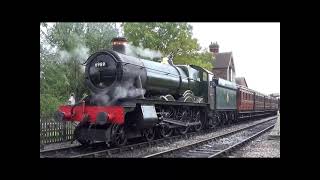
(106, 70)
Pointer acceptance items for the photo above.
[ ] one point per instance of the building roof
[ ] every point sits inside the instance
(223, 60)
(241, 81)
(275, 94)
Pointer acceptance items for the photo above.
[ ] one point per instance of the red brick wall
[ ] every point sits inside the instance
(221, 73)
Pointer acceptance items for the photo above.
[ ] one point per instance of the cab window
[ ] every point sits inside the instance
(204, 76)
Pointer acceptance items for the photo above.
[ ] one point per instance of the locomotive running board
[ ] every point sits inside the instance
(174, 103)
(185, 124)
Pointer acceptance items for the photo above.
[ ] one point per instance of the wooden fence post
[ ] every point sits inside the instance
(41, 138)
(64, 130)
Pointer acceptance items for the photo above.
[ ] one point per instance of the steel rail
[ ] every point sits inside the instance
(198, 143)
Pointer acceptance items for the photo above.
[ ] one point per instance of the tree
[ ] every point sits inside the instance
(202, 59)
(63, 47)
(95, 36)
(165, 37)
(54, 88)
(99, 35)
(168, 37)
(73, 39)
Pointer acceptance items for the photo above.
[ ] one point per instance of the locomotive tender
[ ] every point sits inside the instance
(133, 97)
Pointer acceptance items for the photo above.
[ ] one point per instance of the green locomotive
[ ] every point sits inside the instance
(133, 97)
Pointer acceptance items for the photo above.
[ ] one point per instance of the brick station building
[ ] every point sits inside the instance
(224, 65)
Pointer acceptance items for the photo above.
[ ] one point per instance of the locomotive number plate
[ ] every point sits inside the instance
(100, 64)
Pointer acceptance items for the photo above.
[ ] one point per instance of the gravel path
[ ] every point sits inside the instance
(260, 147)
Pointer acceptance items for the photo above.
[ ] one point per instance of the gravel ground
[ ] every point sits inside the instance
(260, 147)
(275, 133)
(60, 145)
(169, 145)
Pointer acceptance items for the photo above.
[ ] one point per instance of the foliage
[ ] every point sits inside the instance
(61, 47)
(165, 37)
(169, 37)
(202, 59)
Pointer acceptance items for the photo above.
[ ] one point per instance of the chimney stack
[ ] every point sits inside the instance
(214, 48)
(118, 44)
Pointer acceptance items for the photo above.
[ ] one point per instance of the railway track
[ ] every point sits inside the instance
(217, 146)
(102, 150)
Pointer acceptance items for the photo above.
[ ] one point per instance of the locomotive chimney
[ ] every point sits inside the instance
(214, 48)
(118, 44)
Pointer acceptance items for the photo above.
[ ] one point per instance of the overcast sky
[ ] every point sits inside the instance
(255, 48)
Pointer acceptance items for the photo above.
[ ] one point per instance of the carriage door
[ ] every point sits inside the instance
(211, 93)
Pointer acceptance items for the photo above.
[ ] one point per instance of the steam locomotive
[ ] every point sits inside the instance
(133, 97)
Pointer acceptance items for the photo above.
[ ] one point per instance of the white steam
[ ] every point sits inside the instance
(112, 94)
(125, 89)
(140, 51)
(79, 53)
